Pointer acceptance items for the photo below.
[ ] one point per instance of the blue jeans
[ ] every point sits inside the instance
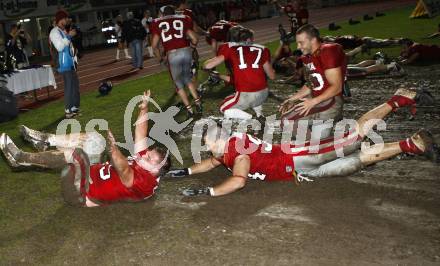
(137, 53)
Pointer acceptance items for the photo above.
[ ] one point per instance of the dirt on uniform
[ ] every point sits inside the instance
(388, 214)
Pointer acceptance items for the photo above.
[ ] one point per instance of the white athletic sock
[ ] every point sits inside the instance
(258, 110)
(237, 114)
(118, 52)
(150, 51)
(126, 53)
(391, 65)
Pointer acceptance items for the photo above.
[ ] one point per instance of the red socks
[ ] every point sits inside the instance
(408, 146)
(398, 101)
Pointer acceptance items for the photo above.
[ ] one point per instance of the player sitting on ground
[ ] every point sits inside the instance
(251, 158)
(419, 53)
(121, 179)
(250, 63)
(176, 34)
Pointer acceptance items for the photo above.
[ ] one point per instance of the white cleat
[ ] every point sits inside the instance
(9, 150)
(36, 138)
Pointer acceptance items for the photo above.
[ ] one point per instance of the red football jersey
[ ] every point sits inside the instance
(219, 31)
(426, 52)
(329, 55)
(172, 31)
(268, 162)
(246, 61)
(186, 12)
(106, 184)
(296, 15)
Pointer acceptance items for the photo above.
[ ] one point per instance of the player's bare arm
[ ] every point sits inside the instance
(119, 162)
(213, 62)
(334, 78)
(268, 69)
(202, 167)
(242, 165)
(155, 46)
(233, 183)
(141, 128)
(410, 59)
(192, 37)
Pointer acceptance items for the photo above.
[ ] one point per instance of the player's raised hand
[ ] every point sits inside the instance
(145, 100)
(111, 140)
(191, 192)
(179, 172)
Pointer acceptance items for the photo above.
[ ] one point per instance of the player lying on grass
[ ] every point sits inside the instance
(353, 41)
(83, 184)
(249, 63)
(419, 53)
(375, 66)
(251, 158)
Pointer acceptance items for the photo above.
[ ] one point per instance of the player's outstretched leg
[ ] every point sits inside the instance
(19, 158)
(39, 140)
(421, 143)
(75, 179)
(402, 98)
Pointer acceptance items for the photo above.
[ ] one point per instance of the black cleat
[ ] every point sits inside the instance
(353, 22)
(333, 27)
(367, 17)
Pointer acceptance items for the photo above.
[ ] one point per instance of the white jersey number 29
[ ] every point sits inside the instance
(243, 64)
(165, 26)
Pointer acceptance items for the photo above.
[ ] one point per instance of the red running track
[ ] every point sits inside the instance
(99, 65)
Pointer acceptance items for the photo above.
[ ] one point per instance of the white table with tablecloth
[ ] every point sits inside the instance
(31, 79)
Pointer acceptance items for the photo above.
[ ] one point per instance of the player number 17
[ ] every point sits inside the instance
(243, 64)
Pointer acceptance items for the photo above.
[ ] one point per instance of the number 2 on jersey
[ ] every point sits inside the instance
(243, 64)
(165, 26)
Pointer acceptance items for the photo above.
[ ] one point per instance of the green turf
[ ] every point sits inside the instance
(28, 198)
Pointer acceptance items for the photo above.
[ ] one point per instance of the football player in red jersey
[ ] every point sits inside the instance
(175, 33)
(218, 33)
(121, 179)
(414, 52)
(321, 97)
(250, 158)
(298, 14)
(249, 63)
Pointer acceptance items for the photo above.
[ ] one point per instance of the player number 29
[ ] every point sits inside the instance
(165, 26)
(243, 64)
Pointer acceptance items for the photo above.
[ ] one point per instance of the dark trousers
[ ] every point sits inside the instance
(71, 90)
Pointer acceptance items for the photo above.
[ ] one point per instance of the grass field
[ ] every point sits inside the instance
(30, 201)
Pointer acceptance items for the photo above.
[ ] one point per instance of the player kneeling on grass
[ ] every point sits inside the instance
(321, 98)
(250, 63)
(251, 158)
(83, 184)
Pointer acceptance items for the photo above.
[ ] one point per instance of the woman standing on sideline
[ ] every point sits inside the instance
(122, 44)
